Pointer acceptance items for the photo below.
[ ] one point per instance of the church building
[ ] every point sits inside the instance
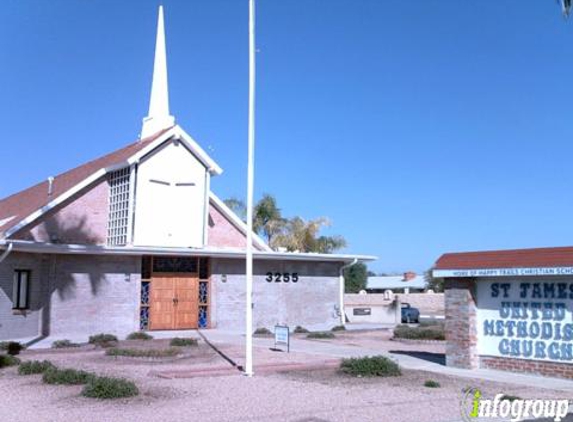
(136, 240)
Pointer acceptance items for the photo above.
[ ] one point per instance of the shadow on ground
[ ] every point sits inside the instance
(439, 358)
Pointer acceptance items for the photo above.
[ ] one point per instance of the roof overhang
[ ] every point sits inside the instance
(502, 272)
(69, 249)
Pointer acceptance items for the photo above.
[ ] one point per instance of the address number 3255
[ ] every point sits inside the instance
(282, 277)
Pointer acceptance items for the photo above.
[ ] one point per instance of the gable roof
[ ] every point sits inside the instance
(22, 208)
(512, 258)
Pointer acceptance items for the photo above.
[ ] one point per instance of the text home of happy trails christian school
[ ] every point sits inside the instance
(136, 240)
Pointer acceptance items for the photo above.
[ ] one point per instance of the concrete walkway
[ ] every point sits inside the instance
(330, 349)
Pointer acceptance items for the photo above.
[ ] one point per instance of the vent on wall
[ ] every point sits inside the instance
(118, 217)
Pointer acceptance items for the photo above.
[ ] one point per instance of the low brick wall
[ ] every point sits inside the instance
(551, 369)
(432, 304)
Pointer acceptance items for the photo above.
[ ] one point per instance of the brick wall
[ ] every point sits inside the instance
(432, 304)
(83, 220)
(461, 330)
(71, 296)
(312, 302)
(552, 369)
(14, 324)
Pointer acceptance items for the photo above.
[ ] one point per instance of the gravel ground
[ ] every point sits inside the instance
(297, 396)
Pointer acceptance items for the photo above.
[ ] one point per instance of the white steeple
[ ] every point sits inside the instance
(158, 117)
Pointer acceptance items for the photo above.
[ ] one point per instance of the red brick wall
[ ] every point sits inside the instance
(461, 329)
(83, 220)
(552, 369)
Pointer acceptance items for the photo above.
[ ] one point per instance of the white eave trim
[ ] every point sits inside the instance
(36, 247)
(188, 141)
(503, 272)
(236, 221)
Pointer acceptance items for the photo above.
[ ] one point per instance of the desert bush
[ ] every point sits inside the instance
(263, 332)
(419, 333)
(139, 335)
(339, 328)
(12, 347)
(66, 376)
(103, 340)
(142, 353)
(300, 330)
(8, 360)
(321, 335)
(63, 344)
(370, 366)
(35, 367)
(182, 342)
(109, 388)
(432, 323)
(432, 384)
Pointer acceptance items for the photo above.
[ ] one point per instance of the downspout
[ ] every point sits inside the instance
(6, 252)
(341, 289)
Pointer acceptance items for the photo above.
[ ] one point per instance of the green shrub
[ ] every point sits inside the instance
(339, 328)
(419, 333)
(139, 335)
(432, 323)
(103, 340)
(300, 330)
(35, 367)
(370, 366)
(142, 353)
(263, 332)
(109, 388)
(182, 342)
(8, 360)
(12, 347)
(432, 384)
(321, 335)
(63, 344)
(66, 376)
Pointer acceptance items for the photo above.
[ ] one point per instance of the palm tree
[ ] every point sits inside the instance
(267, 218)
(295, 234)
(300, 235)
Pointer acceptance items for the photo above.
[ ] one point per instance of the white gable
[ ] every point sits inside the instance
(170, 199)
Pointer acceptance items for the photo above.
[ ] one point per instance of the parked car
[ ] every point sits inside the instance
(410, 314)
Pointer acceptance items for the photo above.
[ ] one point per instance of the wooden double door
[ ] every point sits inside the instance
(174, 301)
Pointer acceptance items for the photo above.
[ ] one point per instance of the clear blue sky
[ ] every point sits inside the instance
(419, 127)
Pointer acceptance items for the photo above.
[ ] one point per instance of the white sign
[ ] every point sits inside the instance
(504, 272)
(282, 336)
(525, 319)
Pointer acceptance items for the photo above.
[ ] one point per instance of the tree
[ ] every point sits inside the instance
(267, 218)
(237, 206)
(295, 234)
(433, 283)
(301, 235)
(355, 278)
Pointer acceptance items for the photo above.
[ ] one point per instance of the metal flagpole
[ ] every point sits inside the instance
(250, 185)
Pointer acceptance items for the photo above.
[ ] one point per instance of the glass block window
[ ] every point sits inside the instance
(118, 219)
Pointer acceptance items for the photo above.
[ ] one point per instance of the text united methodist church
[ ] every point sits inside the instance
(136, 240)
